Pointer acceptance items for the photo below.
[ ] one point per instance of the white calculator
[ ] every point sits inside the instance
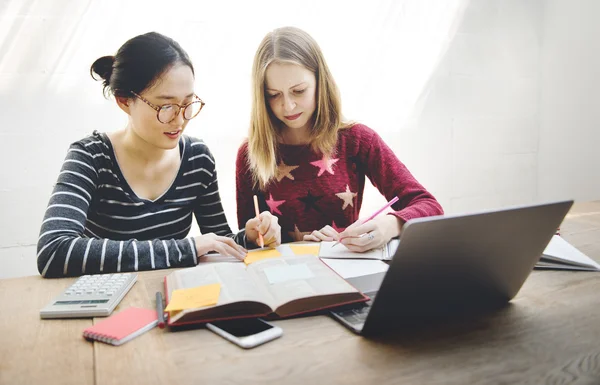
(90, 296)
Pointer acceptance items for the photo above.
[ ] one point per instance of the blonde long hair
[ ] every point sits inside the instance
(290, 45)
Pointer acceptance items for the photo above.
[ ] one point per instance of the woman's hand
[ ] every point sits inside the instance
(225, 246)
(363, 236)
(327, 233)
(268, 226)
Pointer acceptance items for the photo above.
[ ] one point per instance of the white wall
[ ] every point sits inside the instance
(475, 141)
(481, 114)
(569, 156)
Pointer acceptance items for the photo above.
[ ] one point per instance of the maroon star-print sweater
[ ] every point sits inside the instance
(311, 191)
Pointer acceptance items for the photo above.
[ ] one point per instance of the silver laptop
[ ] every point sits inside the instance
(454, 265)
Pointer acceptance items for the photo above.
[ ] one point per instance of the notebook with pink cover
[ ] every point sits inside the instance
(122, 326)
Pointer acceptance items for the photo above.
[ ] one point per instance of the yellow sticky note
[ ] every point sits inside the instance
(259, 255)
(193, 298)
(305, 249)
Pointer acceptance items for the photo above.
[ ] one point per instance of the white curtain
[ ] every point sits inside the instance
(382, 54)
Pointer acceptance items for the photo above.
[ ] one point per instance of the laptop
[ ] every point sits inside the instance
(454, 265)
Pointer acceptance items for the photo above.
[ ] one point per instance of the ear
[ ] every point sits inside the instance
(124, 104)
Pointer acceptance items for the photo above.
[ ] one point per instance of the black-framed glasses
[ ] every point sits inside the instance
(166, 113)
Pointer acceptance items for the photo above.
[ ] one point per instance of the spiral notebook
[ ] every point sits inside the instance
(122, 326)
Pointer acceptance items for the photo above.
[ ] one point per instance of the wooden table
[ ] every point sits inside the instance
(549, 334)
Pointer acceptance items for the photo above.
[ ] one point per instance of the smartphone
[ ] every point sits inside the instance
(246, 332)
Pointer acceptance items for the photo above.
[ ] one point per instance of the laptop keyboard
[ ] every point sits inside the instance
(357, 315)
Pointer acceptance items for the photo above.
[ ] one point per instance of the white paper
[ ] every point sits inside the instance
(340, 251)
(392, 248)
(285, 250)
(559, 250)
(278, 274)
(348, 268)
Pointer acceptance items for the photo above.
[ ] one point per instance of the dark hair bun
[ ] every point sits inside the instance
(138, 64)
(103, 68)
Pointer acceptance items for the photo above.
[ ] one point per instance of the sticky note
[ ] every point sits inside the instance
(305, 249)
(193, 298)
(278, 274)
(258, 255)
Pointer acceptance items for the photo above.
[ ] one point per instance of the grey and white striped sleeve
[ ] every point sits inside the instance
(209, 211)
(64, 250)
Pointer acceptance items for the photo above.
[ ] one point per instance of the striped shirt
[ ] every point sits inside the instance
(95, 223)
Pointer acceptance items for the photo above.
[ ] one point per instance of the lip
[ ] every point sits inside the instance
(293, 117)
(173, 136)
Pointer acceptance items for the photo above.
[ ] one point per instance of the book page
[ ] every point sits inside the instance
(561, 266)
(291, 278)
(236, 284)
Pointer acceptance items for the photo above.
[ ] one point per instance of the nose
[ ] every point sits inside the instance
(178, 121)
(288, 104)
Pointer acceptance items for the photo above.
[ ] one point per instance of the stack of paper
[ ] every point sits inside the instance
(560, 254)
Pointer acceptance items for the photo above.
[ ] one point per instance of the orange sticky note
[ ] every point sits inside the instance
(258, 255)
(193, 298)
(306, 249)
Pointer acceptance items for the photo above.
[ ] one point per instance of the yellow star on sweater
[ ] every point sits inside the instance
(284, 171)
(347, 196)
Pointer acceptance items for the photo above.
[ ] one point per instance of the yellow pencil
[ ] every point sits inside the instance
(261, 241)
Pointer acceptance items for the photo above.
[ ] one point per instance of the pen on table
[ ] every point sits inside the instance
(160, 310)
(261, 241)
(376, 213)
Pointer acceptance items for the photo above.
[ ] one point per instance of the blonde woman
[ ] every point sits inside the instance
(307, 164)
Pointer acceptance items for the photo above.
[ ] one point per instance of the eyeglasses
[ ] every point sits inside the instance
(166, 113)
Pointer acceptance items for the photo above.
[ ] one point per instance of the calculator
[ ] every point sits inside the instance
(90, 296)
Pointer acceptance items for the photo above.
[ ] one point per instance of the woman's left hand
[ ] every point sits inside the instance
(363, 236)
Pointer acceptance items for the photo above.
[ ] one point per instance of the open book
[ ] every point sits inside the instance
(275, 287)
(384, 253)
(560, 254)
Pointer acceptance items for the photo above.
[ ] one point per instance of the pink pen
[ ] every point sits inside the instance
(376, 213)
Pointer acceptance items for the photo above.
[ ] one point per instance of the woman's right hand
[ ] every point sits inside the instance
(225, 246)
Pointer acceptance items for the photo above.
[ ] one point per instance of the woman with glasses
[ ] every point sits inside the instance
(124, 200)
(307, 163)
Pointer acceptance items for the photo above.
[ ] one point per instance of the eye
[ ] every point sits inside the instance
(299, 92)
(272, 96)
(167, 107)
